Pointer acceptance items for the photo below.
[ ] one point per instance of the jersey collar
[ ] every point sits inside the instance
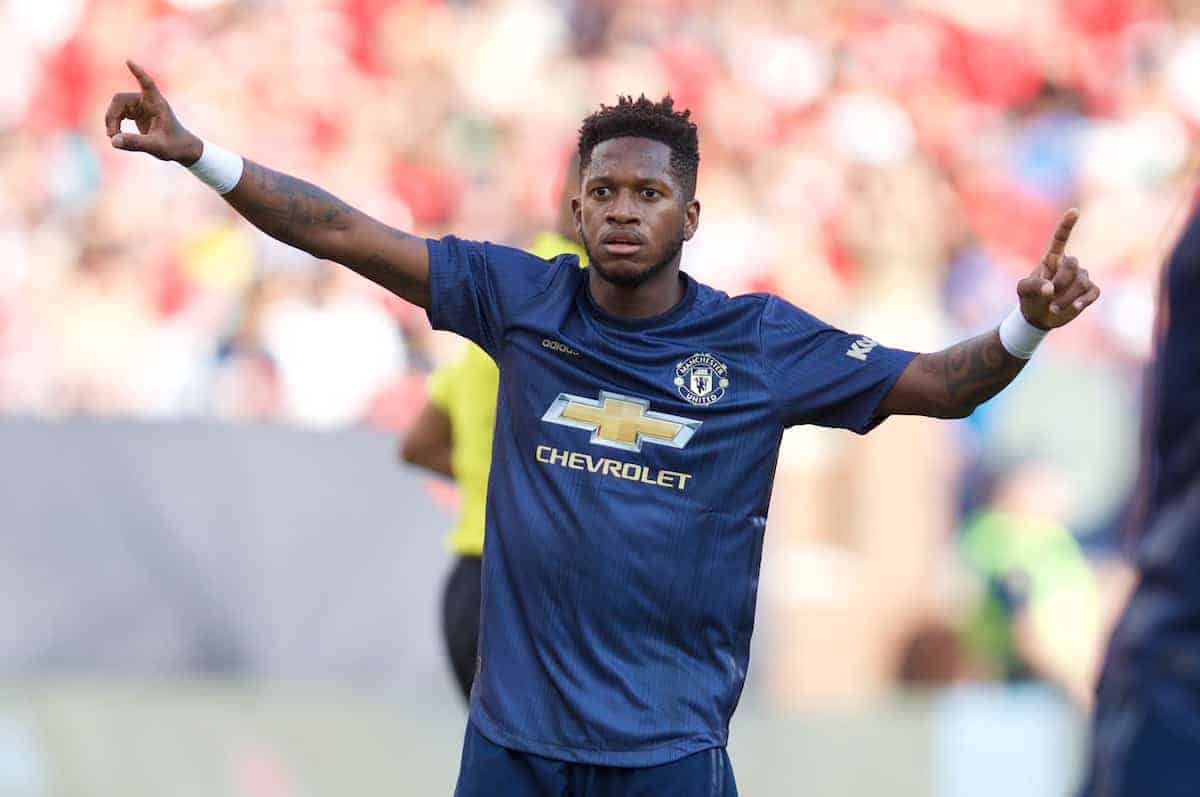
(662, 319)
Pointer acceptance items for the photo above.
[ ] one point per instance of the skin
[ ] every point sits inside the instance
(430, 442)
(284, 207)
(951, 383)
(628, 189)
(564, 223)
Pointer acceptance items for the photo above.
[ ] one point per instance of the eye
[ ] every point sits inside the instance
(600, 192)
(649, 193)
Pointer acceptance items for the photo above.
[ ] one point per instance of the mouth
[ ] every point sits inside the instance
(621, 249)
(621, 244)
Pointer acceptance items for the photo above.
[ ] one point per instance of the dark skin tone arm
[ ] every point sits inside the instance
(430, 442)
(284, 207)
(953, 382)
(949, 383)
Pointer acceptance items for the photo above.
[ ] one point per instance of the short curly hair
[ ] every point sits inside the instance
(642, 118)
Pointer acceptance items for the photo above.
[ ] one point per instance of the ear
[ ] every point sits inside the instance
(691, 218)
(577, 213)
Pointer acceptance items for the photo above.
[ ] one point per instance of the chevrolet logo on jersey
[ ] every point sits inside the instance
(621, 421)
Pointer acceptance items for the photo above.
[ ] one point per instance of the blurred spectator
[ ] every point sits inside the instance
(246, 378)
(1037, 613)
(334, 347)
(807, 114)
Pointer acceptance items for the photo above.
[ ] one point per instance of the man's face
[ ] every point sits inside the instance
(631, 212)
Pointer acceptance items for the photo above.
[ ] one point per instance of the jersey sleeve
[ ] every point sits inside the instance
(476, 288)
(821, 375)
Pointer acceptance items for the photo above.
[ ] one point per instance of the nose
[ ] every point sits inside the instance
(623, 210)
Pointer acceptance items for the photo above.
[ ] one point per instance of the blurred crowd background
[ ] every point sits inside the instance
(893, 167)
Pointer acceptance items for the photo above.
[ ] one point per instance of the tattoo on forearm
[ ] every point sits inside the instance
(964, 376)
(973, 371)
(288, 208)
(310, 218)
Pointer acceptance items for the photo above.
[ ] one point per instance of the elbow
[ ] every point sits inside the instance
(960, 411)
(951, 412)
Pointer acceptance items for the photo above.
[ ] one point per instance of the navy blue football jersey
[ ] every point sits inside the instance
(1156, 647)
(631, 474)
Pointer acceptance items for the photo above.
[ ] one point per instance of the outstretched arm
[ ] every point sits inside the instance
(309, 218)
(953, 382)
(284, 207)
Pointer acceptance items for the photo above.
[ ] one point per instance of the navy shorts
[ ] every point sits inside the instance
(1137, 751)
(460, 619)
(489, 770)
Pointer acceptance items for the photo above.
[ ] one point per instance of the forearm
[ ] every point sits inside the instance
(969, 373)
(437, 460)
(284, 207)
(294, 211)
(430, 441)
(958, 379)
(308, 217)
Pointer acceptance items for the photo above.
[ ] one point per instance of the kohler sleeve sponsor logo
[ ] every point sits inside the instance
(860, 348)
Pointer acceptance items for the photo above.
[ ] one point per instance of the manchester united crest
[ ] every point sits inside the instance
(701, 379)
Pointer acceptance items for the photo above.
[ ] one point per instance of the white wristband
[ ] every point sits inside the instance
(1019, 336)
(218, 168)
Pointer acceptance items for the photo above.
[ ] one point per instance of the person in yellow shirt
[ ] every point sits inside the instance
(452, 436)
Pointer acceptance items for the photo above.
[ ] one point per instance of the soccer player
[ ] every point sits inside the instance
(1146, 731)
(637, 429)
(452, 436)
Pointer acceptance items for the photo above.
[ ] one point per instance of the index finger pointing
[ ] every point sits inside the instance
(1059, 244)
(144, 80)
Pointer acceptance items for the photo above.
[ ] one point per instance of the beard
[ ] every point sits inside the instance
(635, 280)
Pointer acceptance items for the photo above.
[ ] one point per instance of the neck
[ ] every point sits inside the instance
(653, 297)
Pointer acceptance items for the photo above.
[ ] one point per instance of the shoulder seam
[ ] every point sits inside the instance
(554, 268)
(776, 415)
